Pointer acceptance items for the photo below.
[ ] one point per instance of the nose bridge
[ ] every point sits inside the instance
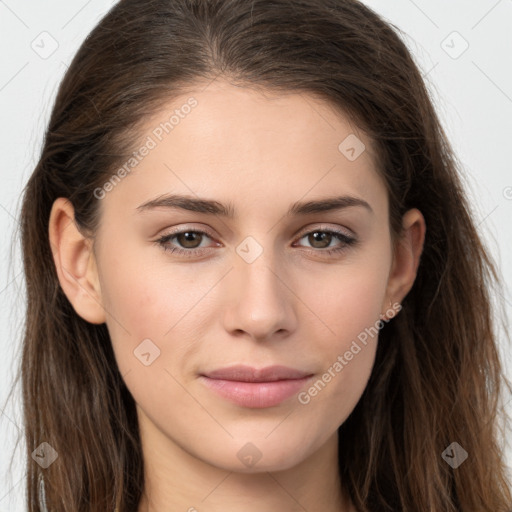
(260, 304)
(259, 277)
(256, 268)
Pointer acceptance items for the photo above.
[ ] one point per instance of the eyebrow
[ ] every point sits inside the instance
(210, 206)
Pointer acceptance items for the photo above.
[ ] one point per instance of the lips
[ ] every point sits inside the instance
(242, 373)
(255, 388)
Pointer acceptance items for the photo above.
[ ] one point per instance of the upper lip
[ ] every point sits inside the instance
(243, 373)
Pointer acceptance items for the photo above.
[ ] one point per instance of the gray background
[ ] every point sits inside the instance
(463, 48)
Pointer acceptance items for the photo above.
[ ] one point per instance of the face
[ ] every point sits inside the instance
(269, 281)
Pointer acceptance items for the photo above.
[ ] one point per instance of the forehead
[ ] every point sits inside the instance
(253, 149)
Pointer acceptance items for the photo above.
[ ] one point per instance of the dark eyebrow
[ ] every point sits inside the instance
(210, 206)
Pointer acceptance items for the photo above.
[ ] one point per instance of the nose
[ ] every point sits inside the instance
(261, 304)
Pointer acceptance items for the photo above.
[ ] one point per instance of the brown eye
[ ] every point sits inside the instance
(322, 238)
(189, 239)
(188, 243)
(184, 243)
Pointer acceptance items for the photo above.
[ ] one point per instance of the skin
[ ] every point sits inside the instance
(293, 305)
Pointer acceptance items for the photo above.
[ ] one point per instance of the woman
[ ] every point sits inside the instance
(254, 280)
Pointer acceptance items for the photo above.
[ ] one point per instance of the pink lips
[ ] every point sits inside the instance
(256, 388)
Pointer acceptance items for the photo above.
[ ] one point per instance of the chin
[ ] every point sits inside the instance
(258, 456)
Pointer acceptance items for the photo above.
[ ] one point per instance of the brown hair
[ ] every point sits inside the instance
(437, 377)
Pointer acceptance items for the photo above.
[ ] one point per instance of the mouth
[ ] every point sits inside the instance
(256, 388)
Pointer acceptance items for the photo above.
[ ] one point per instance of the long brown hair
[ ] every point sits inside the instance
(437, 377)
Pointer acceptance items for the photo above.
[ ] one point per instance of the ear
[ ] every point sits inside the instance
(406, 257)
(75, 263)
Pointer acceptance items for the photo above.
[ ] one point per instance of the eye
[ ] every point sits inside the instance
(321, 239)
(190, 240)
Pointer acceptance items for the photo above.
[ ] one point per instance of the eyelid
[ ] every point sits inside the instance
(300, 234)
(323, 227)
(346, 241)
(178, 230)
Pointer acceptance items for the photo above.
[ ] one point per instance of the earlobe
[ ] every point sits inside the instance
(75, 263)
(406, 257)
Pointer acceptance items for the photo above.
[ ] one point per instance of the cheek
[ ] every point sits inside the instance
(143, 300)
(146, 307)
(349, 304)
(349, 298)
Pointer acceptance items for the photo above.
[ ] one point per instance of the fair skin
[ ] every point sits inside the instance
(293, 305)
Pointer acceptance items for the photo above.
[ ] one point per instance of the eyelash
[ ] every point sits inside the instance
(346, 240)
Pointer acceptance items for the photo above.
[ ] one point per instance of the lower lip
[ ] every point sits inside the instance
(256, 395)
